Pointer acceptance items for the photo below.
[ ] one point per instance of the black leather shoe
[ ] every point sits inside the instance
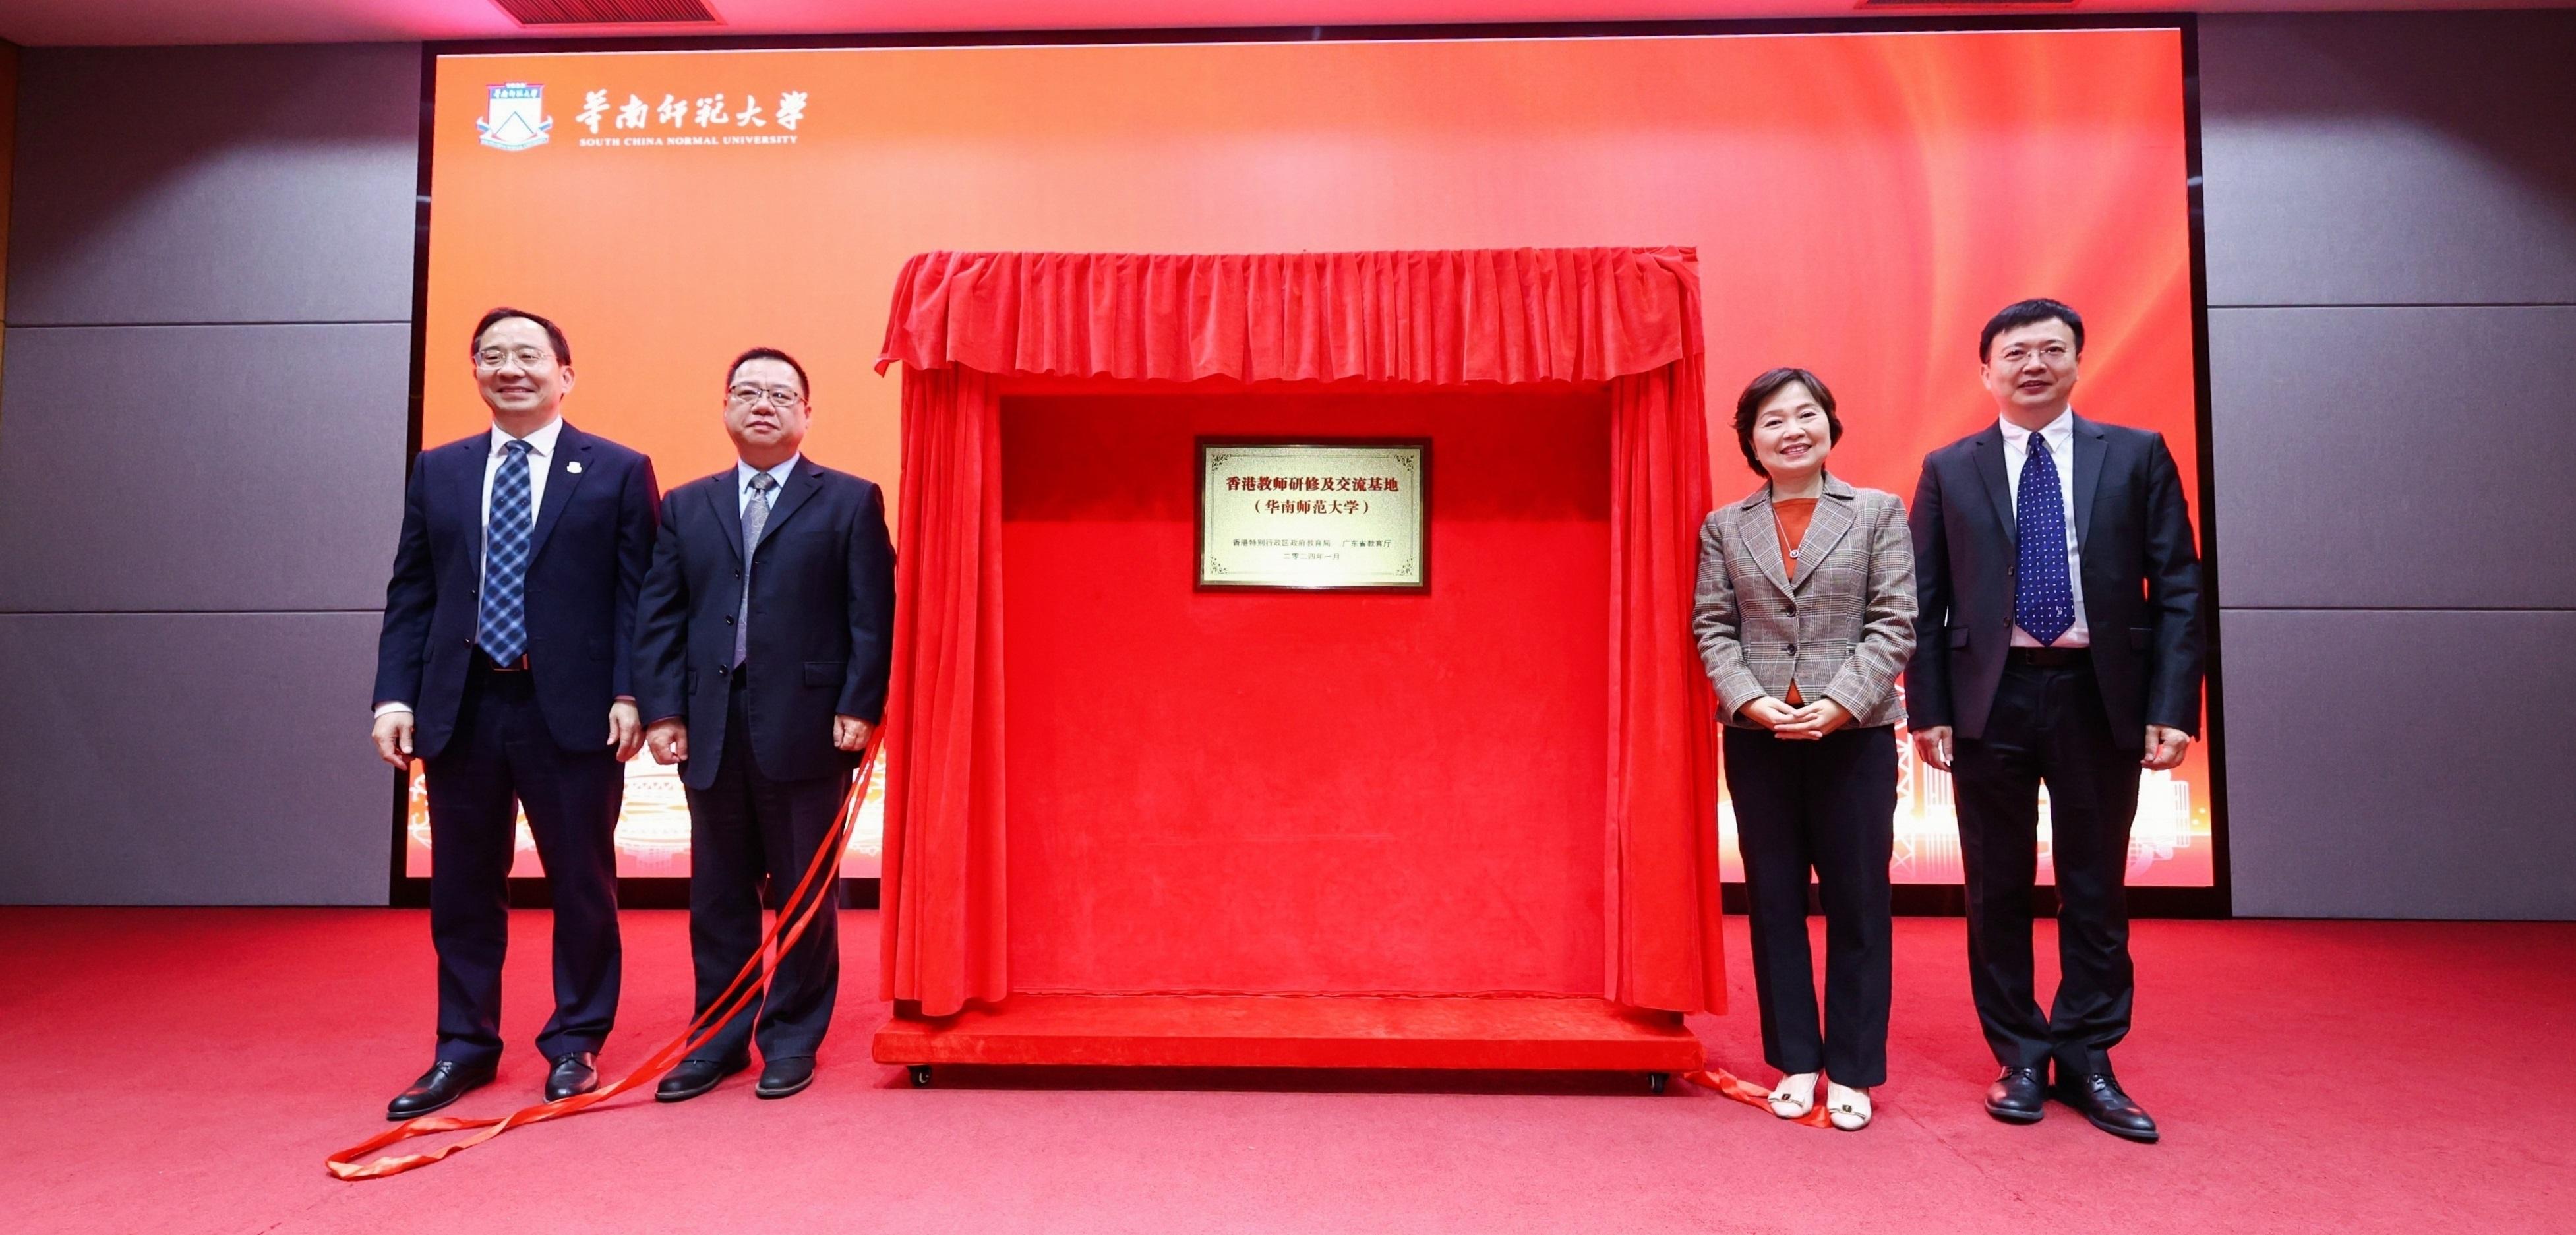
(2018, 1096)
(781, 1077)
(2098, 1095)
(446, 1081)
(576, 1072)
(695, 1076)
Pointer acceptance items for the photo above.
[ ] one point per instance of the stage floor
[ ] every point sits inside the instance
(186, 1070)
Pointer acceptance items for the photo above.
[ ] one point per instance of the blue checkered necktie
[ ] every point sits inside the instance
(2043, 597)
(755, 516)
(502, 627)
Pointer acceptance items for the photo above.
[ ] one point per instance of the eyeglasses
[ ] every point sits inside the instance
(751, 396)
(491, 358)
(2054, 353)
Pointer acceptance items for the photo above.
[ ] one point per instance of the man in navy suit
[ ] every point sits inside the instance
(764, 640)
(504, 666)
(2060, 644)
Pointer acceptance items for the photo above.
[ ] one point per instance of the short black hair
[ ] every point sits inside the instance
(554, 333)
(770, 353)
(2022, 313)
(1749, 405)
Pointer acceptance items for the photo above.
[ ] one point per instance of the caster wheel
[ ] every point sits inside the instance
(1655, 1081)
(921, 1076)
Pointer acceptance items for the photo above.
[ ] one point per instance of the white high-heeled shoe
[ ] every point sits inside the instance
(1846, 1106)
(1794, 1096)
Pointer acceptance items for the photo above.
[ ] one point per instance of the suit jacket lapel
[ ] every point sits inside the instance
(1762, 537)
(571, 445)
(1989, 455)
(724, 505)
(1832, 519)
(464, 488)
(2089, 449)
(802, 482)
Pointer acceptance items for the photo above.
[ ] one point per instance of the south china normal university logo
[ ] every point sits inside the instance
(518, 118)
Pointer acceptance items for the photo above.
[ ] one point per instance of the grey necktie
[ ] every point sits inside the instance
(755, 516)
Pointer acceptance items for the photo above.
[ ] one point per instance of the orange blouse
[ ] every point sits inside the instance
(1793, 515)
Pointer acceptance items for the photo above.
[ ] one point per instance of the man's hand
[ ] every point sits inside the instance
(2165, 746)
(1814, 721)
(1768, 712)
(669, 740)
(625, 730)
(1932, 746)
(849, 733)
(393, 738)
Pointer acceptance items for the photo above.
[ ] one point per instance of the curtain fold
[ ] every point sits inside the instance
(1664, 942)
(1629, 318)
(944, 934)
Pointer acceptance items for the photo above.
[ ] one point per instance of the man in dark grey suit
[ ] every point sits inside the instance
(2060, 644)
(763, 643)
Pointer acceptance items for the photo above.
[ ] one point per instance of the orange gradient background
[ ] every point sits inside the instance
(1860, 203)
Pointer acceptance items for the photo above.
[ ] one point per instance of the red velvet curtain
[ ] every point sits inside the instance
(1626, 317)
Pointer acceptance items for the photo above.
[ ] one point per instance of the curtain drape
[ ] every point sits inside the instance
(960, 322)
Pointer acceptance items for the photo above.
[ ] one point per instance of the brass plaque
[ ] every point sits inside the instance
(1314, 515)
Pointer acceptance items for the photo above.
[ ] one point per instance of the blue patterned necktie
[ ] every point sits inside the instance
(501, 628)
(755, 516)
(2043, 597)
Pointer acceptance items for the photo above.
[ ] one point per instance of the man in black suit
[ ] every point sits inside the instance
(2060, 644)
(504, 666)
(763, 647)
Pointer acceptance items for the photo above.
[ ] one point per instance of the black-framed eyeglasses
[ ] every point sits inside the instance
(748, 396)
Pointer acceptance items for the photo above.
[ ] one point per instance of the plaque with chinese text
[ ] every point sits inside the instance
(1314, 515)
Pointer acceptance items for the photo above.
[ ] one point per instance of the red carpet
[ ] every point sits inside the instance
(176, 1071)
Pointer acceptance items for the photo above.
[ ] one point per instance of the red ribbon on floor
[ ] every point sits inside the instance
(1750, 1094)
(820, 879)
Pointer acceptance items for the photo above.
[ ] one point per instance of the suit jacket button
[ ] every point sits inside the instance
(1793, 649)
(728, 619)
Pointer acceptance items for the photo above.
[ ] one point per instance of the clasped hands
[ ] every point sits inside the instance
(1801, 724)
(669, 738)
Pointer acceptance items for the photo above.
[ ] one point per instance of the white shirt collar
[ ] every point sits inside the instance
(541, 441)
(743, 472)
(2059, 432)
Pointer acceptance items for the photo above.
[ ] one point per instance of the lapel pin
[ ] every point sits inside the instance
(573, 467)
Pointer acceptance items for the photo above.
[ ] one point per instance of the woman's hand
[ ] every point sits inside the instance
(1813, 721)
(1768, 713)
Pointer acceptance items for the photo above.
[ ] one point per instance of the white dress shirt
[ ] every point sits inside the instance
(743, 472)
(2060, 436)
(541, 450)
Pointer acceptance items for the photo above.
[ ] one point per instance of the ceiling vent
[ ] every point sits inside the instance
(610, 12)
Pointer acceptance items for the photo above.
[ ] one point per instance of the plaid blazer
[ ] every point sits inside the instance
(1843, 627)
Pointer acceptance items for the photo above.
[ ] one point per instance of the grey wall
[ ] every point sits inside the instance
(2392, 281)
(202, 427)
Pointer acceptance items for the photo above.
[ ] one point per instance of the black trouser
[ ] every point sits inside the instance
(500, 755)
(1827, 806)
(750, 840)
(2048, 726)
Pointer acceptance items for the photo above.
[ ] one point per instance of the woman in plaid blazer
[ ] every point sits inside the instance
(1805, 619)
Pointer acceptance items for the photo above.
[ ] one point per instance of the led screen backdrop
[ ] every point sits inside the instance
(1860, 203)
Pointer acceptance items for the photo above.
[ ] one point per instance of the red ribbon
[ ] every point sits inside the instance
(1750, 1094)
(820, 879)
